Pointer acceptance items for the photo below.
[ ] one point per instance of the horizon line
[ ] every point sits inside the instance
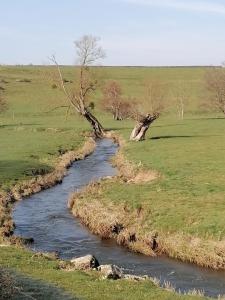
(112, 66)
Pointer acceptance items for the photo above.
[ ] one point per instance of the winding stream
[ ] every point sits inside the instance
(46, 218)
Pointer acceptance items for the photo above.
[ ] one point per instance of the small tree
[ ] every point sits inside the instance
(148, 109)
(114, 102)
(215, 84)
(181, 95)
(88, 52)
(3, 104)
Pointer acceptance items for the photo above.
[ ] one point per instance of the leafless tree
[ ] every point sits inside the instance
(114, 102)
(88, 52)
(149, 109)
(181, 95)
(215, 84)
(3, 104)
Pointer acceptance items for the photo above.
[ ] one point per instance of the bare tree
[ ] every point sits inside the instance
(3, 104)
(215, 84)
(88, 52)
(181, 94)
(149, 109)
(114, 102)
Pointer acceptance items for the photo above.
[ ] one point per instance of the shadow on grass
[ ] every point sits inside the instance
(16, 169)
(18, 124)
(179, 136)
(29, 288)
(205, 119)
(118, 128)
(169, 125)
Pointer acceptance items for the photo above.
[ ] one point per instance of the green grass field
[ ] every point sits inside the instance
(37, 271)
(32, 134)
(189, 195)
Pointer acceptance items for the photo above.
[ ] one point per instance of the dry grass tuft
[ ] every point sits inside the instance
(205, 253)
(155, 281)
(195, 292)
(168, 286)
(128, 171)
(100, 220)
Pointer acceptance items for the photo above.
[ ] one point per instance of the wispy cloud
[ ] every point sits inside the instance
(187, 5)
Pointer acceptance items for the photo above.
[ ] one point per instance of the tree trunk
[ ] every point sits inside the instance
(95, 124)
(139, 131)
(135, 131)
(182, 109)
(141, 135)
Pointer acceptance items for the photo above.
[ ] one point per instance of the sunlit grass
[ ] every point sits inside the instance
(79, 284)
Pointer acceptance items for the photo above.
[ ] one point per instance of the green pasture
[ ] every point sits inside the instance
(188, 154)
(188, 196)
(41, 278)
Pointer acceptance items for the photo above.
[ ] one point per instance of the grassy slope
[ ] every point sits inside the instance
(79, 284)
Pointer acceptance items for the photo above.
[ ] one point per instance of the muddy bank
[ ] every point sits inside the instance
(126, 226)
(35, 185)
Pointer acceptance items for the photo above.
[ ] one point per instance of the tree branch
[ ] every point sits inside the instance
(53, 59)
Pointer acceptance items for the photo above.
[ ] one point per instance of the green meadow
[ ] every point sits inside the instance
(188, 196)
(33, 131)
(41, 278)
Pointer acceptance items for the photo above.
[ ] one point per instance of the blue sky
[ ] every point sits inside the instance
(133, 32)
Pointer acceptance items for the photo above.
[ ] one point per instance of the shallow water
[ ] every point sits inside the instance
(46, 218)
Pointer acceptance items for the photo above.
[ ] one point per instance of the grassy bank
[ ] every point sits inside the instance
(45, 273)
(184, 206)
(32, 135)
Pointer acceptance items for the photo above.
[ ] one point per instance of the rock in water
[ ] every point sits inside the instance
(111, 271)
(85, 262)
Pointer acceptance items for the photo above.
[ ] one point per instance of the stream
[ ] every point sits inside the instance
(46, 218)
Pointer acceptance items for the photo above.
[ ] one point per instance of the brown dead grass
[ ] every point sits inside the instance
(205, 253)
(126, 227)
(128, 171)
(109, 221)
